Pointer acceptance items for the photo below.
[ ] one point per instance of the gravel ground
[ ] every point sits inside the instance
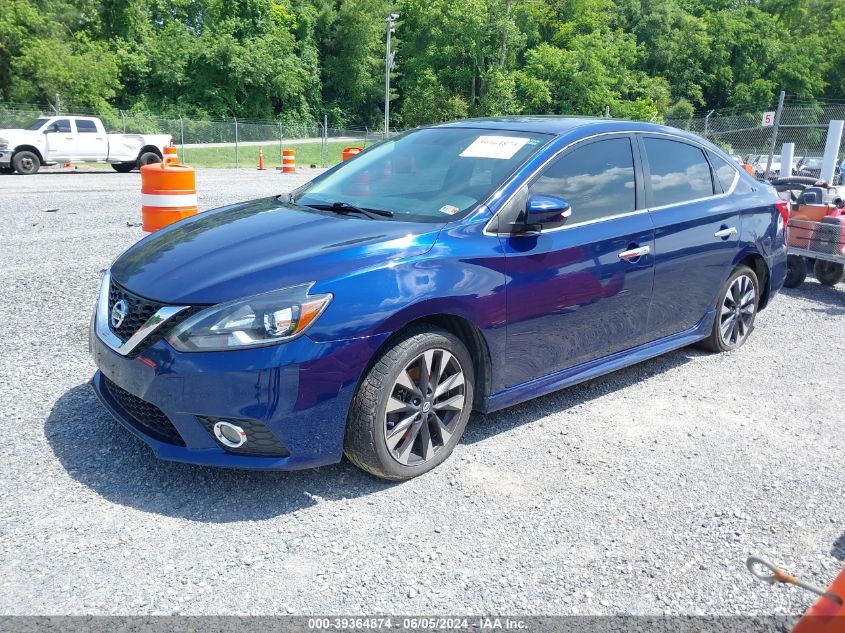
(641, 492)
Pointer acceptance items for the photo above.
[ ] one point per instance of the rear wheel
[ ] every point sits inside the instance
(412, 406)
(148, 158)
(124, 168)
(26, 163)
(736, 310)
(829, 273)
(796, 271)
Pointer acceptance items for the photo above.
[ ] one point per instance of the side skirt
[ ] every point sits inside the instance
(591, 369)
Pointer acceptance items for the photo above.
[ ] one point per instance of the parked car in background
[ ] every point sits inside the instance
(62, 139)
(811, 167)
(466, 266)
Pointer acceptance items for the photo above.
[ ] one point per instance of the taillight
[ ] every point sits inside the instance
(783, 207)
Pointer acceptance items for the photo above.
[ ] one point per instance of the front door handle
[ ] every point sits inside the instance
(634, 253)
(725, 232)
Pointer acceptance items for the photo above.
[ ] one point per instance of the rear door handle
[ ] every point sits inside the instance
(635, 253)
(726, 232)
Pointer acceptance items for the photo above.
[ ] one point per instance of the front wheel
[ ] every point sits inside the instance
(829, 273)
(412, 406)
(26, 163)
(736, 309)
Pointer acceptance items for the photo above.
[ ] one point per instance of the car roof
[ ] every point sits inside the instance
(557, 125)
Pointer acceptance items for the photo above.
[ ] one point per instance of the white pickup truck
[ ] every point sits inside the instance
(76, 139)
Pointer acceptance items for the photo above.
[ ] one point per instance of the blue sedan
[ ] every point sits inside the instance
(465, 266)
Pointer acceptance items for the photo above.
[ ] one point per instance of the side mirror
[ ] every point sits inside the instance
(542, 209)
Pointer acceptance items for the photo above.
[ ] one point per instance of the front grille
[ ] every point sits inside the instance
(144, 416)
(260, 440)
(139, 310)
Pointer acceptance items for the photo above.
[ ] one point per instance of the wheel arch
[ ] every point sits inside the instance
(29, 148)
(468, 333)
(150, 148)
(756, 262)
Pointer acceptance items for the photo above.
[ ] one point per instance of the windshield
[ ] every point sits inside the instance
(813, 163)
(428, 175)
(36, 125)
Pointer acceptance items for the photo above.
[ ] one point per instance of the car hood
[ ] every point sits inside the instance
(8, 132)
(262, 245)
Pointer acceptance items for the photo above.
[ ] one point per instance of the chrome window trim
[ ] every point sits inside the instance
(554, 156)
(101, 321)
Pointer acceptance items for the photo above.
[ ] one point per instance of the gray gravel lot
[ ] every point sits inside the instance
(641, 492)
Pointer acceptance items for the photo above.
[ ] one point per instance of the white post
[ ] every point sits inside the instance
(787, 156)
(831, 150)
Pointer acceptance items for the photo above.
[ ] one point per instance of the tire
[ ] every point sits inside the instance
(735, 312)
(124, 168)
(396, 381)
(796, 271)
(829, 273)
(148, 158)
(26, 163)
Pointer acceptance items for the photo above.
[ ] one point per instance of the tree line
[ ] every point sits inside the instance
(297, 60)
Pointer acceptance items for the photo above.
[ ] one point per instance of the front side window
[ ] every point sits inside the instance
(60, 126)
(725, 172)
(679, 172)
(86, 126)
(36, 125)
(597, 180)
(428, 175)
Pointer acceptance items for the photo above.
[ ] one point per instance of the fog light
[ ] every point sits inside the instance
(229, 434)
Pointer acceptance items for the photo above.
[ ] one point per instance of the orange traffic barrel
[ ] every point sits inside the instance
(168, 194)
(827, 614)
(288, 161)
(349, 152)
(170, 155)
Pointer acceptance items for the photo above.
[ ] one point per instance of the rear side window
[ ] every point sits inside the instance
(679, 172)
(85, 126)
(597, 180)
(725, 172)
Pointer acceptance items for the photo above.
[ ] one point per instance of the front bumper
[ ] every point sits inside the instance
(300, 392)
(6, 157)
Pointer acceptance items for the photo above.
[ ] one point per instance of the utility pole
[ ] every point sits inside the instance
(775, 130)
(388, 66)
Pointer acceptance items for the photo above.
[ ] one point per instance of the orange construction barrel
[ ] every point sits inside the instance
(170, 155)
(168, 194)
(826, 615)
(349, 152)
(288, 161)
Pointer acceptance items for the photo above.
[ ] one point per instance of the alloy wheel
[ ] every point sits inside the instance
(737, 314)
(423, 407)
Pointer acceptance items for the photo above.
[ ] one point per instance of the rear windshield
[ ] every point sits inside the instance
(428, 175)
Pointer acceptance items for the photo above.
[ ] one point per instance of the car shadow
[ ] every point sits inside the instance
(833, 297)
(838, 549)
(481, 427)
(100, 454)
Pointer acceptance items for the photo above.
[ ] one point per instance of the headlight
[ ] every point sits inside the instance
(3, 143)
(265, 319)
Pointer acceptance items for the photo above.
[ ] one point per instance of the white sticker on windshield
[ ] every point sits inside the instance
(503, 147)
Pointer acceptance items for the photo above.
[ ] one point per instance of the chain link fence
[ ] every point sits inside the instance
(803, 123)
(219, 143)
(236, 143)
